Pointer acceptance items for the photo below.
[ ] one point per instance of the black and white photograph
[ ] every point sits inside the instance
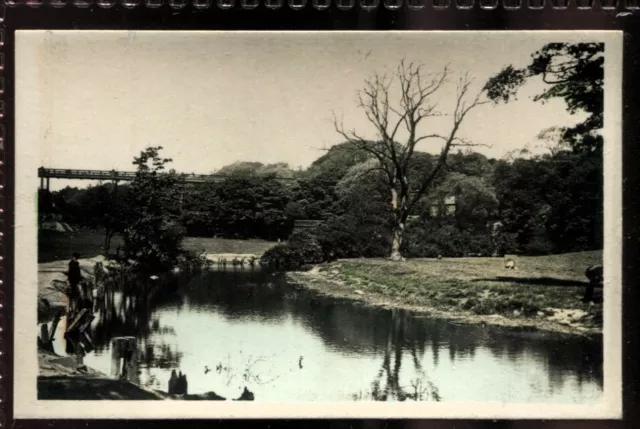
(408, 224)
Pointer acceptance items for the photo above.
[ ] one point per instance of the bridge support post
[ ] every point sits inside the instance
(41, 182)
(124, 355)
(47, 183)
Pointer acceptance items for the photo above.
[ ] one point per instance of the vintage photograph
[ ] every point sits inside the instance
(319, 217)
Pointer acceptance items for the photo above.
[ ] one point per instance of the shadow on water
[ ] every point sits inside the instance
(403, 356)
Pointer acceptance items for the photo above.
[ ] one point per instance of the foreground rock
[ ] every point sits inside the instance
(61, 378)
(88, 388)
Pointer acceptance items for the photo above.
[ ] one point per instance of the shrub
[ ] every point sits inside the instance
(156, 246)
(302, 249)
(341, 237)
(429, 241)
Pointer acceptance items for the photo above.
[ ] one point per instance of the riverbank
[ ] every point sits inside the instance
(52, 281)
(61, 379)
(59, 245)
(543, 294)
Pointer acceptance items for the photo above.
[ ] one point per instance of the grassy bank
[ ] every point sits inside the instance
(544, 293)
(56, 246)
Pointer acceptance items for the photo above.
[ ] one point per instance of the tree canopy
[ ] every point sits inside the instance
(153, 236)
(414, 88)
(573, 72)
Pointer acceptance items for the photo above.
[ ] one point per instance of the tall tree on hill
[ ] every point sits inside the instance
(415, 104)
(573, 72)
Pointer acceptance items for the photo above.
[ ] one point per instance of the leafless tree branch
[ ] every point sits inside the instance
(414, 105)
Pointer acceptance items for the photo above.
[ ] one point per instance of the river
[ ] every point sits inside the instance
(227, 330)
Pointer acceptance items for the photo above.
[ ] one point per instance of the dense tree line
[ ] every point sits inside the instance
(534, 205)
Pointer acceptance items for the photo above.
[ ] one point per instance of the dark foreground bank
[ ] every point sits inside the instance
(61, 379)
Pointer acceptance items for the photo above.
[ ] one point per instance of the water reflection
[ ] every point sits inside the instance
(228, 330)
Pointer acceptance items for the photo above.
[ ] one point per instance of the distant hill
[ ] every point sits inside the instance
(280, 170)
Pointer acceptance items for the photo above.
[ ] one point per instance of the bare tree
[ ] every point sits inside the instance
(415, 105)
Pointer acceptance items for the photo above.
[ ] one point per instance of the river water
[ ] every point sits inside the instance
(229, 330)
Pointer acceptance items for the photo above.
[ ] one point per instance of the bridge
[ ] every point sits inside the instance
(45, 174)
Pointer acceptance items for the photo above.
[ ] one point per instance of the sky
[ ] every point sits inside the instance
(214, 98)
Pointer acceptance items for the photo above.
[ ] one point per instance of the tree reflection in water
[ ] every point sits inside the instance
(387, 384)
(406, 344)
(127, 310)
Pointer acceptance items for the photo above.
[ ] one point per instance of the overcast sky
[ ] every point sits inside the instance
(211, 99)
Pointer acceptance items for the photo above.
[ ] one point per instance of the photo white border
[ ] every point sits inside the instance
(30, 97)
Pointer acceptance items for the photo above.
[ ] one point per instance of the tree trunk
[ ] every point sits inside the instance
(398, 232)
(398, 206)
(107, 241)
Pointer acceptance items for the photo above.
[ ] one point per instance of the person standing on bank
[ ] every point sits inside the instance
(74, 275)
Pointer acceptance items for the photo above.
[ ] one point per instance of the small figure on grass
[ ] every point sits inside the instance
(510, 264)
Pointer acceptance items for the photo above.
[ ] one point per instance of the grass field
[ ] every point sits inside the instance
(482, 285)
(476, 286)
(54, 245)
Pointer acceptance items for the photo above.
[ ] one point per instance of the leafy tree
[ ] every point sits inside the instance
(314, 194)
(109, 210)
(336, 161)
(470, 164)
(302, 249)
(65, 203)
(475, 199)
(251, 207)
(573, 72)
(551, 203)
(362, 221)
(415, 105)
(438, 230)
(154, 235)
(198, 209)
(98, 207)
(313, 198)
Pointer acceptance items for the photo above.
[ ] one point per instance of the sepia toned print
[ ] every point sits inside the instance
(395, 224)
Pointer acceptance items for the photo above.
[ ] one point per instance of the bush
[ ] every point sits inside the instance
(341, 237)
(302, 250)
(539, 245)
(155, 246)
(429, 241)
